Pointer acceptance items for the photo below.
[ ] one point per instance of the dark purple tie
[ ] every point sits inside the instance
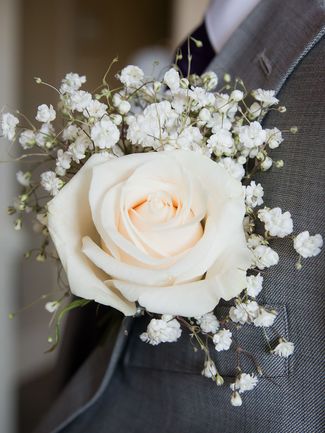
(201, 56)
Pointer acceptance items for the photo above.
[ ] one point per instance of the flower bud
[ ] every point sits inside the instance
(198, 43)
(184, 83)
(124, 107)
(23, 197)
(18, 224)
(204, 115)
(294, 129)
(255, 110)
(241, 160)
(40, 257)
(260, 156)
(279, 163)
(282, 109)
(227, 78)
(157, 86)
(51, 307)
(266, 164)
(298, 266)
(210, 80)
(219, 380)
(117, 99)
(236, 399)
(236, 95)
(116, 118)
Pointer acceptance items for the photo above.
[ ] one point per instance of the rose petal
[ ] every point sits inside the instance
(189, 300)
(67, 225)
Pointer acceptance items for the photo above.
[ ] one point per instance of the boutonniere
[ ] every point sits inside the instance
(153, 207)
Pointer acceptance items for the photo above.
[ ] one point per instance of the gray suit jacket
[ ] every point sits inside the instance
(126, 386)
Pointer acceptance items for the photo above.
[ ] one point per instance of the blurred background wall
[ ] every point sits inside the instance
(49, 39)
(10, 244)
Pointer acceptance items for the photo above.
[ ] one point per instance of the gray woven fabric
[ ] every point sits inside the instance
(160, 389)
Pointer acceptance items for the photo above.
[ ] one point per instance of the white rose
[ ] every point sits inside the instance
(162, 229)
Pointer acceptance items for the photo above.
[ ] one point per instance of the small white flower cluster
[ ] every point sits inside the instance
(263, 256)
(210, 371)
(222, 340)
(24, 178)
(254, 285)
(209, 324)
(284, 348)
(244, 382)
(198, 119)
(254, 194)
(307, 245)
(8, 126)
(131, 76)
(252, 312)
(45, 114)
(164, 330)
(276, 223)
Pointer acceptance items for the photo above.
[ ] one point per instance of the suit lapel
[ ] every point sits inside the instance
(89, 382)
(270, 43)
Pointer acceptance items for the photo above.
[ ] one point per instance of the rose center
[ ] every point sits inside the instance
(158, 207)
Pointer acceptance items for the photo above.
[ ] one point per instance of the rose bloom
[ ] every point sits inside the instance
(164, 229)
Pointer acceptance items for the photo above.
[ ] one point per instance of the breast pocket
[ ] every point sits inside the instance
(183, 357)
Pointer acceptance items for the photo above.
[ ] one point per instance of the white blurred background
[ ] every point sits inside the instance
(49, 39)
